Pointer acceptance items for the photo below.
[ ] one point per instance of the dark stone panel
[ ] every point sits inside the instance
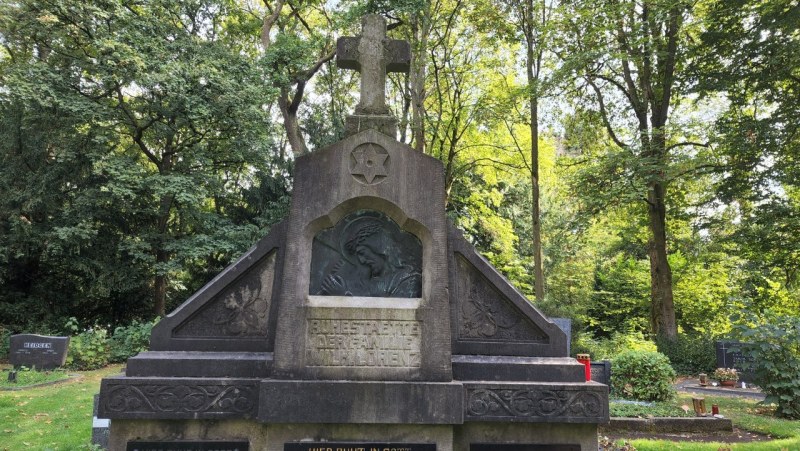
(177, 398)
(489, 316)
(366, 254)
(729, 356)
(520, 447)
(40, 351)
(357, 446)
(360, 402)
(236, 311)
(511, 368)
(200, 364)
(549, 403)
(100, 429)
(601, 372)
(188, 445)
(565, 324)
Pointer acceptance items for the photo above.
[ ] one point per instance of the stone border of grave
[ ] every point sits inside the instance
(669, 425)
(69, 378)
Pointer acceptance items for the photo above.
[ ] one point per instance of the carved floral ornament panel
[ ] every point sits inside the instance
(369, 163)
(182, 399)
(493, 402)
(366, 254)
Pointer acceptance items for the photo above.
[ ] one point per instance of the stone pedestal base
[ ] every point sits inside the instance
(356, 123)
(273, 437)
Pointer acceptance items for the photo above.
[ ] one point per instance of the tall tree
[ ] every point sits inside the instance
(301, 45)
(750, 54)
(627, 54)
(170, 112)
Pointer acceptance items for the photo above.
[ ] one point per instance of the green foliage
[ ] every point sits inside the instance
(643, 376)
(127, 341)
(689, 355)
(773, 343)
(88, 349)
(132, 135)
(5, 342)
(610, 348)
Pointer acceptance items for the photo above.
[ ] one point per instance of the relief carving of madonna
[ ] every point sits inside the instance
(366, 254)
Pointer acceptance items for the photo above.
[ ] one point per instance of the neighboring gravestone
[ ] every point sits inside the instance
(38, 351)
(565, 324)
(99, 427)
(601, 372)
(362, 322)
(729, 356)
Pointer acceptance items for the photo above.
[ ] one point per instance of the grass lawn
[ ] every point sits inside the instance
(745, 415)
(31, 377)
(55, 417)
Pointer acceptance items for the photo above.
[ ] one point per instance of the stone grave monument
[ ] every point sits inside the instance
(364, 321)
(42, 352)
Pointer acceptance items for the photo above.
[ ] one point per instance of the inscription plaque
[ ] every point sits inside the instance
(212, 445)
(518, 447)
(363, 343)
(366, 254)
(356, 446)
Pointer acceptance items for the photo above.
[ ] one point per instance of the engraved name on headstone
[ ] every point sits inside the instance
(363, 343)
(40, 351)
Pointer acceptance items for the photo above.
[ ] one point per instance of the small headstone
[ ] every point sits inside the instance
(601, 372)
(728, 356)
(38, 351)
(99, 427)
(565, 324)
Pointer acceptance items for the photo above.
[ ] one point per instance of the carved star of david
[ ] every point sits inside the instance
(370, 162)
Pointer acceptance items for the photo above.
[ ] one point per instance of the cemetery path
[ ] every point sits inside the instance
(690, 385)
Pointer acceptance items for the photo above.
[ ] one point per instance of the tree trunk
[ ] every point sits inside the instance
(536, 225)
(662, 307)
(421, 29)
(662, 310)
(533, 64)
(291, 125)
(162, 256)
(160, 286)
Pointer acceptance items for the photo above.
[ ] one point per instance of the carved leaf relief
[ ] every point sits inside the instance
(240, 309)
(485, 314)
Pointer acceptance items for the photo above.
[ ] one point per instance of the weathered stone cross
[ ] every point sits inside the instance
(373, 56)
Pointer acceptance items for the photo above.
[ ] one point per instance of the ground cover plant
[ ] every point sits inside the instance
(54, 417)
(619, 408)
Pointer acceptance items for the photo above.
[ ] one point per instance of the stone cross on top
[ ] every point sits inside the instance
(373, 55)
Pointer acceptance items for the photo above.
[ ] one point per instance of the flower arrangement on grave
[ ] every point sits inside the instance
(725, 374)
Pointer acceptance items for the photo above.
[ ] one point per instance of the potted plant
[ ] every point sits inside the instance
(727, 377)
